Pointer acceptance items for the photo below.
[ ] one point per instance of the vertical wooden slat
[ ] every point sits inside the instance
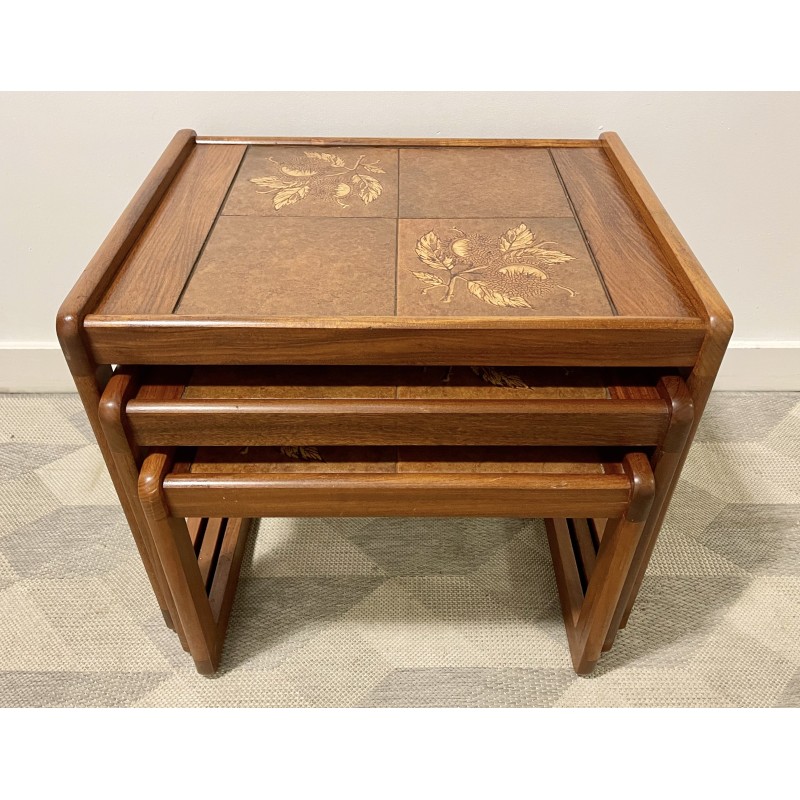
(226, 574)
(197, 527)
(585, 547)
(568, 578)
(210, 548)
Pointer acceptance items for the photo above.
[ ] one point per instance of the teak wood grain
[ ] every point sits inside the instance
(633, 267)
(153, 275)
(391, 422)
(665, 465)
(621, 492)
(126, 454)
(174, 547)
(597, 341)
(424, 495)
(589, 612)
(90, 376)
(671, 319)
(692, 276)
(203, 599)
(333, 141)
(101, 270)
(713, 309)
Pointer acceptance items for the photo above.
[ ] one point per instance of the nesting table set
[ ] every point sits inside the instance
(376, 327)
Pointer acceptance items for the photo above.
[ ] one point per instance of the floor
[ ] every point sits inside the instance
(370, 612)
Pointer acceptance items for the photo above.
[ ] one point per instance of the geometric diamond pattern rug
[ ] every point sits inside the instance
(403, 612)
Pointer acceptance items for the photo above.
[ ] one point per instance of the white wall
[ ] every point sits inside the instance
(724, 164)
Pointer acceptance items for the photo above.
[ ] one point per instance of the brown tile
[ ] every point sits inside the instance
(330, 182)
(286, 381)
(502, 383)
(281, 381)
(295, 267)
(518, 460)
(532, 460)
(480, 182)
(517, 279)
(270, 460)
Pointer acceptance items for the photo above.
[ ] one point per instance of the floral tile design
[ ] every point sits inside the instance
(305, 181)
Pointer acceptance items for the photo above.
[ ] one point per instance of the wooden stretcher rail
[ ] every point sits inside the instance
(405, 422)
(416, 495)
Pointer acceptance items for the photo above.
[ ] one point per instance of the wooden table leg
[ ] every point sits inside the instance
(589, 601)
(665, 464)
(89, 376)
(203, 592)
(89, 387)
(121, 387)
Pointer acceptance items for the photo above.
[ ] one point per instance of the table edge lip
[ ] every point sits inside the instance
(394, 142)
(178, 322)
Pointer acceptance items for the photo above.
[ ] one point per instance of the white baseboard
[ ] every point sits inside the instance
(760, 366)
(748, 366)
(33, 367)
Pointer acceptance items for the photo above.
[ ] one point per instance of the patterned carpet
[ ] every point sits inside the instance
(403, 612)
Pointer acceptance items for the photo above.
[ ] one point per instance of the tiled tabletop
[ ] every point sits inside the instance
(425, 232)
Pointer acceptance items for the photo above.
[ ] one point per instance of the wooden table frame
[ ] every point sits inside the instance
(664, 423)
(92, 342)
(170, 494)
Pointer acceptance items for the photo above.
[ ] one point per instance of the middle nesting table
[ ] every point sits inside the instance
(304, 406)
(368, 441)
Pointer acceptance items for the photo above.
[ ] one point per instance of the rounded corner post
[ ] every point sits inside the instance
(720, 323)
(150, 484)
(69, 332)
(112, 401)
(643, 486)
(680, 403)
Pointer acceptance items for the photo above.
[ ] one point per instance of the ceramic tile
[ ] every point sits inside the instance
(257, 266)
(517, 266)
(480, 182)
(315, 182)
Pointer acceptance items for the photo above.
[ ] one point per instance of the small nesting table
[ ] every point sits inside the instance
(394, 327)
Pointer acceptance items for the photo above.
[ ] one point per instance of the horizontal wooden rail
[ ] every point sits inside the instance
(334, 141)
(556, 341)
(579, 422)
(410, 495)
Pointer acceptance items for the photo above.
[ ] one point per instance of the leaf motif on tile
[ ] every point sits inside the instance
(523, 269)
(302, 453)
(512, 271)
(323, 174)
(328, 157)
(369, 188)
(291, 195)
(430, 252)
(498, 377)
(496, 298)
(298, 173)
(516, 239)
(273, 182)
(429, 279)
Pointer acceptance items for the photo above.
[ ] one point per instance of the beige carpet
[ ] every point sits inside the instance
(402, 612)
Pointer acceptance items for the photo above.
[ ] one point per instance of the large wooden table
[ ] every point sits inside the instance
(514, 260)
